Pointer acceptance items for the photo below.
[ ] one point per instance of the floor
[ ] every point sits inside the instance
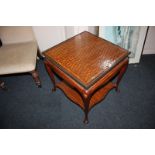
(24, 106)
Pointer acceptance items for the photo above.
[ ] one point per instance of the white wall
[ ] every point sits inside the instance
(93, 29)
(48, 36)
(70, 31)
(149, 47)
(15, 34)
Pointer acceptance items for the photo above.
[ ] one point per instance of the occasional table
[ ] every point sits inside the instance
(87, 65)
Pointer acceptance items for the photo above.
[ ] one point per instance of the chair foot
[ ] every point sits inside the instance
(35, 76)
(2, 85)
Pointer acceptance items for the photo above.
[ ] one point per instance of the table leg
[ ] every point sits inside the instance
(86, 100)
(49, 71)
(120, 75)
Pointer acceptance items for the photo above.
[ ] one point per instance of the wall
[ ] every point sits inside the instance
(94, 29)
(48, 36)
(70, 31)
(149, 47)
(16, 34)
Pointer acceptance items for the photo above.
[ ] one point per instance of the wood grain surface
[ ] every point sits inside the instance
(86, 57)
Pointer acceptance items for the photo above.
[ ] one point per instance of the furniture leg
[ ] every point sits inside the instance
(120, 75)
(35, 76)
(86, 100)
(2, 85)
(49, 71)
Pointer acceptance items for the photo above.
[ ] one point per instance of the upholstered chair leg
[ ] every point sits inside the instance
(35, 76)
(2, 85)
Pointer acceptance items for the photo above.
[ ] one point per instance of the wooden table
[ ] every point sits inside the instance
(86, 64)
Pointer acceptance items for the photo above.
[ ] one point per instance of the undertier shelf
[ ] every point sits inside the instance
(74, 96)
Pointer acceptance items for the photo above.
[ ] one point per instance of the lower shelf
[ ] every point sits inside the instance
(71, 93)
(100, 94)
(74, 96)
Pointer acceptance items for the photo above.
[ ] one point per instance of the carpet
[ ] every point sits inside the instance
(24, 106)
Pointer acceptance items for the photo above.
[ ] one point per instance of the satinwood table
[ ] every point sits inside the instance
(86, 64)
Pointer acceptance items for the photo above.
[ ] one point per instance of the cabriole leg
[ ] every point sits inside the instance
(86, 100)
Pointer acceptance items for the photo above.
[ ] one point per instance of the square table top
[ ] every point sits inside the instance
(85, 57)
